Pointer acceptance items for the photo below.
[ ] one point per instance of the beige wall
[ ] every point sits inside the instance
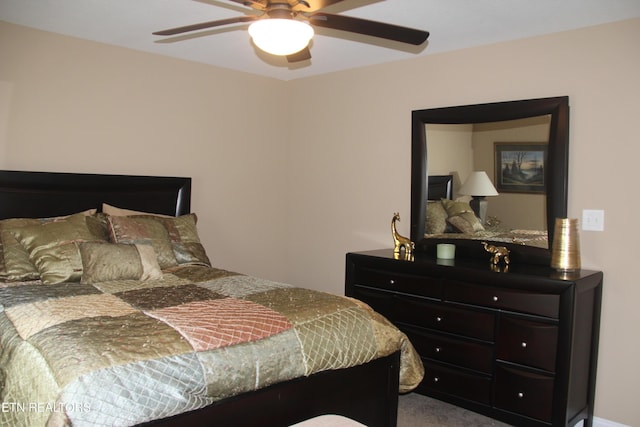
(290, 176)
(515, 210)
(358, 173)
(450, 151)
(87, 107)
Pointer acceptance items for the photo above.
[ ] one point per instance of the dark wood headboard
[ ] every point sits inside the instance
(46, 194)
(439, 187)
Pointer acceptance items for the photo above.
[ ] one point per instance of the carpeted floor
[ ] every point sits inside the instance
(416, 410)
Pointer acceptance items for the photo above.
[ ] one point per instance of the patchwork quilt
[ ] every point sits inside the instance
(123, 352)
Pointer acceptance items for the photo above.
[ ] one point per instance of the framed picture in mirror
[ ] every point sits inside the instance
(520, 167)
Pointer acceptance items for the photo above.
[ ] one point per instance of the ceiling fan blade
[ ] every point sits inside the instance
(303, 55)
(312, 5)
(369, 28)
(256, 4)
(204, 25)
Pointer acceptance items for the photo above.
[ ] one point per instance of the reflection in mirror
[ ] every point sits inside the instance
(515, 214)
(523, 146)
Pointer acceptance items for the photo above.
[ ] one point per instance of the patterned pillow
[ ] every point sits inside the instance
(454, 208)
(15, 264)
(52, 247)
(436, 218)
(466, 222)
(183, 234)
(143, 230)
(103, 262)
(184, 238)
(461, 216)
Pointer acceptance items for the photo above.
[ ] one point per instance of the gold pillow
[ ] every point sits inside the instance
(143, 230)
(102, 262)
(466, 222)
(14, 257)
(466, 214)
(185, 242)
(52, 247)
(116, 211)
(436, 218)
(182, 231)
(17, 265)
(454, 208)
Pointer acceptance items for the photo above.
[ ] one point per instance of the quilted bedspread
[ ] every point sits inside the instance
(125, 352)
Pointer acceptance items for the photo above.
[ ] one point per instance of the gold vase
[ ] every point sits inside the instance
(565, 252)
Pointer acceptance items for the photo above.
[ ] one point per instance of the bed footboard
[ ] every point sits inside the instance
(367, 393)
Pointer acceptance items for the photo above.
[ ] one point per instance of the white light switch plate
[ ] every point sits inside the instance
(593, 220)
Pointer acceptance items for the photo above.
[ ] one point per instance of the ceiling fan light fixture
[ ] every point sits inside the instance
(280, 36)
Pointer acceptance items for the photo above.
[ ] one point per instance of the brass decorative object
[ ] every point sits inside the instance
(565, 252)
(497, 268)
(404, 256)
(498, 253)
(400, 243)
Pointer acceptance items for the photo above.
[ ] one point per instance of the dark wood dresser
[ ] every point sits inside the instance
(519, 346)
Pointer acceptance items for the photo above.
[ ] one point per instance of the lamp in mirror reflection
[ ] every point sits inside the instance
(478, 186)
(280, 36)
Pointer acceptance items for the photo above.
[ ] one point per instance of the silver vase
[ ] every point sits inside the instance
(565, 252)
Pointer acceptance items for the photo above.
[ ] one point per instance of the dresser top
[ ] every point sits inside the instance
(477, 266)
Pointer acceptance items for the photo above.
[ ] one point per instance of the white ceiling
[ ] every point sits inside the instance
(453, 24)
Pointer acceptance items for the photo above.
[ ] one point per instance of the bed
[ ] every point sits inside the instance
(452, 219)
(117, 317)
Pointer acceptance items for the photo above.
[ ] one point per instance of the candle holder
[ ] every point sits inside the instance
(445, 251)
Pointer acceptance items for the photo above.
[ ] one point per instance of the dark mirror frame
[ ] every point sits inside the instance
(556, 171)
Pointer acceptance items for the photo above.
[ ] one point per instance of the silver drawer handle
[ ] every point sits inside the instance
(495, 298)
(438, 319)
(524, 344)
(393, 282)
(520, 395)
(436, 379)
(438, 349)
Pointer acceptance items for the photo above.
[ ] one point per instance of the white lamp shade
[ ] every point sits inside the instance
(280, 36)
(478, 184)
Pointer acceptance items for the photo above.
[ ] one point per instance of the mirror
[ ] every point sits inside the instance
(512, 156)
(531, 136)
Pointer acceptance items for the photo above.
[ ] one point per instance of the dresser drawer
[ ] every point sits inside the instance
(380, 301)
(502, 298)
(524, 393)
(529, 343)
(456, 383)
(456, 351)
(443, 317)
(520, 346)
(400, 282)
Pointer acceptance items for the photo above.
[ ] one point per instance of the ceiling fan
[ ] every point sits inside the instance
(285, 27)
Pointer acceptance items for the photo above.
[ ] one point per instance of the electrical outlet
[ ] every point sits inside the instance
(593, 220)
